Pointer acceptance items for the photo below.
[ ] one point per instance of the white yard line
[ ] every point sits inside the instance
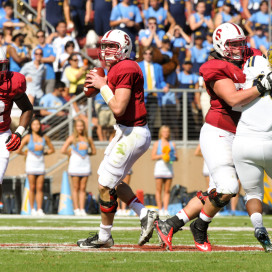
(234, 229)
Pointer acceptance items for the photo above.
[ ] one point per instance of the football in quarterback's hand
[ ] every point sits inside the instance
(92, 91)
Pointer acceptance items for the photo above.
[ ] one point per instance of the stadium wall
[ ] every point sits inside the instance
(188, 171)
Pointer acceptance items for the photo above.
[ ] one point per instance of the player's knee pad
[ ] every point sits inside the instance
(202, 196)
(216, 199)
(109, 206)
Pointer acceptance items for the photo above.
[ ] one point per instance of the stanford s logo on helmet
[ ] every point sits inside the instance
(229, 41)
(115, 46)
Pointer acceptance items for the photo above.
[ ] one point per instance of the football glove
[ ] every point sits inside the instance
(13, 141)
(265, 84)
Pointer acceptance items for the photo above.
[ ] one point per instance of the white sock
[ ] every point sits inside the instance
(183, 216)
(104, 232)
(257, 220)
(205, 217)
(138, 207)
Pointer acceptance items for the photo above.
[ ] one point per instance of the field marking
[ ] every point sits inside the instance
(65, 247)
(233, 229)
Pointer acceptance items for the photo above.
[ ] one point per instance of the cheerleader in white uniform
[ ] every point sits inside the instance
(77, 147)
(164, 152)
(35, 168)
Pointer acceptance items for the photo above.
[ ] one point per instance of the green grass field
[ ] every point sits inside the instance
(48, 244)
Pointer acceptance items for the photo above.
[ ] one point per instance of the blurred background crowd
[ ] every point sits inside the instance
(54, 43)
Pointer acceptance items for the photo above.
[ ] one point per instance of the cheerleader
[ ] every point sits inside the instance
(77, 148)
(164, 153)
(35, 168)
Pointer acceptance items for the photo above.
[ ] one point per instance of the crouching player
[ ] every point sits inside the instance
(123, 92)
(253, 144)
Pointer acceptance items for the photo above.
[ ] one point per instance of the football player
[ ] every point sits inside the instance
(253, 144)
(123, 91)
(12, 89)
(223, 77)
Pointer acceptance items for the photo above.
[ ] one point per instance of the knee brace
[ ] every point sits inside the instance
(202, 196)
(109, 206)
(216, 200)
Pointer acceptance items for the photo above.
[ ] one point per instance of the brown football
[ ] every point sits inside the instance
(91, 91)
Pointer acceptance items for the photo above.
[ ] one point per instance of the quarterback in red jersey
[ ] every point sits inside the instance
(123, 91)
(222, 75)
(12, 89)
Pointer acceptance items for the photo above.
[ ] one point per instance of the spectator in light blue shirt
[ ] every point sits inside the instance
(8, 20)
(53, 100)
(34, 71)
(48, 58)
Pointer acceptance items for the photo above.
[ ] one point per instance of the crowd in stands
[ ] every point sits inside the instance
(171, 40)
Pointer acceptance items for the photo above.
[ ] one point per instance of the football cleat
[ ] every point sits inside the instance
(147, 226)
(200, 235)
(95, 242)
(165, 233)
(262, 236)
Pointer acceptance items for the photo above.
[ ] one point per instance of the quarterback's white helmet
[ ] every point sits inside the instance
(229, 41)
(4, 62)
(115, 46)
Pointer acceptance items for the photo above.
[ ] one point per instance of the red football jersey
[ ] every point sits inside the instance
(220, 113)
(13, 85)
(128, 74)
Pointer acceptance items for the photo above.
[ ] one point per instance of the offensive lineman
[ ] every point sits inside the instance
(223, 76)
(252, 146)
(12, 89)
(123, 91)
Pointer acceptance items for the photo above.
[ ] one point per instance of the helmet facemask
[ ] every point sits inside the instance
(235, 49)
(110, 51)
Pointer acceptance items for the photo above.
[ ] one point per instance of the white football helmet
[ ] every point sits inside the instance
(4, 62)
(229, 41)
(115, 45)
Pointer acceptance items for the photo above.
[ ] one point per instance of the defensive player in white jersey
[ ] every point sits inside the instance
(253, 144)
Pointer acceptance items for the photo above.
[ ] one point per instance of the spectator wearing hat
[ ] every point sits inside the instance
(48, 58)
(163, 16)
(262, 17)
(208, 43)
(34, 72)
(170, 61)
(226, 15)
(199, 21)
(8, 20)
(198, 54)
(152, 35)
(257, 39)
(17, 51)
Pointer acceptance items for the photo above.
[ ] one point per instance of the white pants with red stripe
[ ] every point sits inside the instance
(216, 147)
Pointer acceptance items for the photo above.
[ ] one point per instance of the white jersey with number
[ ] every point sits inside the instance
(256, 118)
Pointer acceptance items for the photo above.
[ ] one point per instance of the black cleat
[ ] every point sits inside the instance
(94, 242)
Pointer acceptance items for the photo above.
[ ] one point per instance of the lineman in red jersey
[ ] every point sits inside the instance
(12, 89)
(123, 91)
(222, 75)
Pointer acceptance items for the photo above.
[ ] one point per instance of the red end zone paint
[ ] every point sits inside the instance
(122, 248)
